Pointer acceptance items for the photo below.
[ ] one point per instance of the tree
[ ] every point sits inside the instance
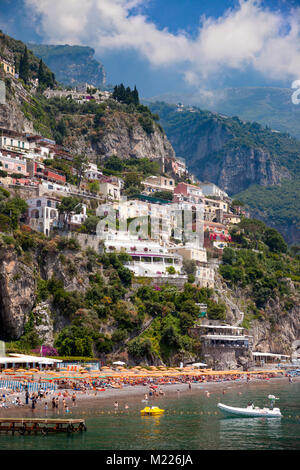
(14, 208)
(90, 224)
(189, 266)
(94, 187)
(24, 67)
(132, 184)
(135, 95)
(80, 163)
(41, 73)
(67, 207)
(275, 241)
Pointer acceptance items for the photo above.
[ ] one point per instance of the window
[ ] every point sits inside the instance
(11, 142)
(49, 203)
(38, 203)
(19, 168)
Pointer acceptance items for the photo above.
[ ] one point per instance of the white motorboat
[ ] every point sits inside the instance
(250, 411)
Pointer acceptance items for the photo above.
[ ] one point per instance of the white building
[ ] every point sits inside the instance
(110, 190)
(43, 213)
(10, 140)
(92, 173)
(211, 189)
(158, 183)
(149, 259)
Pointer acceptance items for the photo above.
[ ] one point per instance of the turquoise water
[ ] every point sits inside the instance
(191, 422)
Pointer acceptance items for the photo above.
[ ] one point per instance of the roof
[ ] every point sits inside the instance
(227, 337)
(268, 354)
(14, 358)
(223, 326)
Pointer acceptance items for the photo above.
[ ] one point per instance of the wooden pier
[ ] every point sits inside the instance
(41, 425)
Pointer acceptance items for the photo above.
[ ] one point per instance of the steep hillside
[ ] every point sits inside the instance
(267, 105)
(72, 65)
(238, 156)
(13, 50)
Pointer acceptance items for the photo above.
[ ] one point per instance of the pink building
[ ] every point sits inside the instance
(13, 163)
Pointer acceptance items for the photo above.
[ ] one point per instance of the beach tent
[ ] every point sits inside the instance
(119, 363)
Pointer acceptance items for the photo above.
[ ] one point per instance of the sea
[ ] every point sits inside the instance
(191, 421)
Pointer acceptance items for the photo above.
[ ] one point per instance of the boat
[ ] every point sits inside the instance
(153, 411)
(250, 411)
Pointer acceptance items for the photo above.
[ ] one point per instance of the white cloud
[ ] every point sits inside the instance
(248, 35)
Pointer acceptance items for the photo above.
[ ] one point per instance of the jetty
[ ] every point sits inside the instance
(41, 425)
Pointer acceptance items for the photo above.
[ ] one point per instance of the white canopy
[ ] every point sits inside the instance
(199, 364)
(119, 363)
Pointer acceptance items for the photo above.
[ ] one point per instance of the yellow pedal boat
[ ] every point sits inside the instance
(153, 411)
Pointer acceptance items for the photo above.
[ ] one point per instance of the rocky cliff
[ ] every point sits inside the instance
(279, 328)
(72, 65)
(119, 133)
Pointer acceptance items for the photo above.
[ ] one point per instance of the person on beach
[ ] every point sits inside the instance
(26, 397)
(190, 386)
(116, 405)
(53, 403)
(126, 407)
(74, 399)
(33, 403)
(46, 407)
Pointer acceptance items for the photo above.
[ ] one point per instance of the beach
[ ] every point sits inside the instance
(128, 395)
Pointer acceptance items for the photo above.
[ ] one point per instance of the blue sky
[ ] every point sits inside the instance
(171, 45)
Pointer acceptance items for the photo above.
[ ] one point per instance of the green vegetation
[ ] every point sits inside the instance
(260, 263)
(125, 95)
(27, 64)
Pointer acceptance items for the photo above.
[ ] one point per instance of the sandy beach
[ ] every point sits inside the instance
(127, 395)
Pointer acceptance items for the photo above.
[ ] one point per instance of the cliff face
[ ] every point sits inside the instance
(19, 290)
(119, 134)
(72, 65)
(11, 115)
(279, 328)
(17, 294)
(238, 169)
(216, 152)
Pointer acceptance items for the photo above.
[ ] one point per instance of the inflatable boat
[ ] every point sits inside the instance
(250, 411)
